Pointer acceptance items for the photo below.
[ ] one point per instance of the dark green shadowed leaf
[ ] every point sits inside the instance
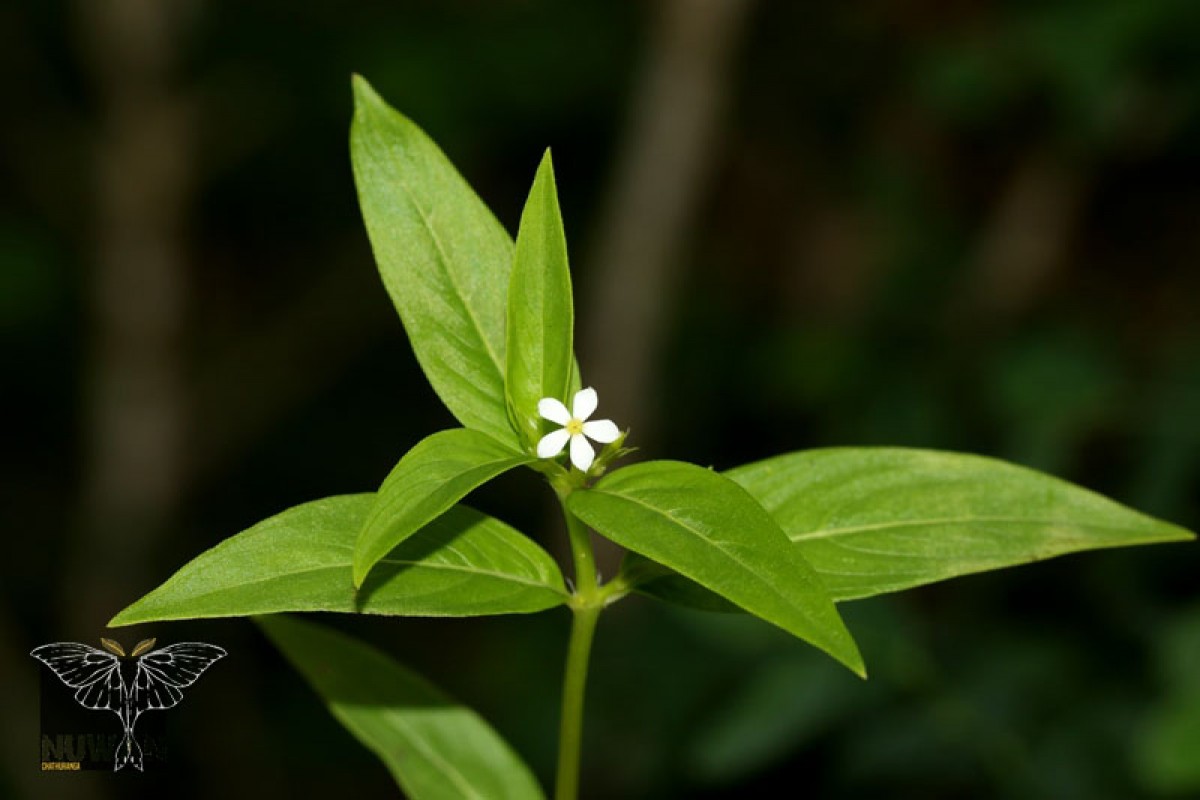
(435, 748)
(1168, 737)
(877, 520)
(706, 527)
(464, 563)
(540, 313)
(663, 583)
(438, 472)
(444, 259)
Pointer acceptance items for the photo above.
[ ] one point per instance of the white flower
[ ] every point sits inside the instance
(575, 428)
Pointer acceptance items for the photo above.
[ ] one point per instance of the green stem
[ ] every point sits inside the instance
(587, 601)
(581, 555)
(570, 732)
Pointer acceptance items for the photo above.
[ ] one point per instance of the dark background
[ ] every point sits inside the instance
(971, 226)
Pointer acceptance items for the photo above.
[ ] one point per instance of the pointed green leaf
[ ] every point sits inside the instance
(541, 317)
(464, 563)
(443, 257)
(435, 748)
(441, 470)
(876, 520)
(708, 528)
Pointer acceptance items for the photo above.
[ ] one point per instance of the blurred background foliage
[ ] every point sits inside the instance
(971, 226)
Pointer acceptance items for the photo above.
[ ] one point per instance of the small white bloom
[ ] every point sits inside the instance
(576, 428)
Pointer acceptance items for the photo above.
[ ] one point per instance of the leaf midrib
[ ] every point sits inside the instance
(457, 777)
(444, 262)
(745, 567)
(546, 273)
(825, 533)
(402, 562)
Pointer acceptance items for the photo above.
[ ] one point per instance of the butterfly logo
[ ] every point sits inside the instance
(128, 685)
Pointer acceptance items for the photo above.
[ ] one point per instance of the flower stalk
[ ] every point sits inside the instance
(570, 731)
(588, 596)
(587, 601)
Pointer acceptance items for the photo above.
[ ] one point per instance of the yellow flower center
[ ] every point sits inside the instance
(574, 426)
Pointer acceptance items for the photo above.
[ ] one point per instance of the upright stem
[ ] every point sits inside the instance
(586, 604)
(570, 732)
(581, 555)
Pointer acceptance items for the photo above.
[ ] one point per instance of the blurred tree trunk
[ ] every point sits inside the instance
(674, 124)
(135, 411)
(1026, 241)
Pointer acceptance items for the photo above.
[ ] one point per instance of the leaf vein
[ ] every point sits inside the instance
(824, 533)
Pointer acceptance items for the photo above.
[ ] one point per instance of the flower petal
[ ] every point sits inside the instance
(584, 404)
(582, 454)
(554, 410)
(552, 443)
(602, 430)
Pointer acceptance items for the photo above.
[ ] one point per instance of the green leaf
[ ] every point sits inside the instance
(441, 470)
(776, 706)
(575, 381)
(435, 748)
(541, 317)
(708, 528)
(663, 583)
(464, 563)
(877, 520)
(1169, 737)
(444, 259)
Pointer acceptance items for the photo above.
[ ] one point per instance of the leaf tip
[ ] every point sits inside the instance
(367, 101)
(848, 654)
(1174, 533)
(360, 564)
(359, 575)
(361, 87)
(543, 180)
(122, 618)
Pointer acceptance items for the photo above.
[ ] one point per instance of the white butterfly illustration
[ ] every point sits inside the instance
(158, 676)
